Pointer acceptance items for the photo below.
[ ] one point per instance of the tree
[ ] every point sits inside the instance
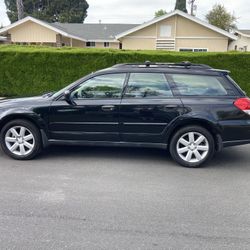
(19, 6)
(181, 5)
(73, 11)
(160, 12)
(220, 17)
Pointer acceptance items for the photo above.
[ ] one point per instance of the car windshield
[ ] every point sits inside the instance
(58, 93)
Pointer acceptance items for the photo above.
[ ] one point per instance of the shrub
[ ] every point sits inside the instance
(31, 70)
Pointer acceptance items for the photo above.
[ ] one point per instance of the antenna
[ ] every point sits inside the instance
(193, 7)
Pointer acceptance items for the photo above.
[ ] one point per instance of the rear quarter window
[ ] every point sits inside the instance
(201, 85)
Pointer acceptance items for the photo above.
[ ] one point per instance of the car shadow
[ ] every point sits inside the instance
(105, 153)
(228, 158)
(234, 157)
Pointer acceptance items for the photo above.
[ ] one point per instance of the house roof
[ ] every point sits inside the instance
(79, 31)
(108, 32)
(94, 31)
(247, 32)
(42, 23)
(180, 13)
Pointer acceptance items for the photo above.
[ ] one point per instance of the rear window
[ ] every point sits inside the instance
(200, 85)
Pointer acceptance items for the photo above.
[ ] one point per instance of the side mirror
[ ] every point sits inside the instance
(67, 97)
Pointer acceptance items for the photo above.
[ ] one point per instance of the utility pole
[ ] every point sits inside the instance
(20, 11)
(193, 7)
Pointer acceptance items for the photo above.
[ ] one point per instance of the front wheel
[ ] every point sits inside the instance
(192, 146)
(21, 140)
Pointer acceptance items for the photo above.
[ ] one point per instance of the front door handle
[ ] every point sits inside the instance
(108, 108)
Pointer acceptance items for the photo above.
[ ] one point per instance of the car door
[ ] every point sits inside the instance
(147, 107)
(93, 114)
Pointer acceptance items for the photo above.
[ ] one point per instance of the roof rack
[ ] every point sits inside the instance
(148, 64)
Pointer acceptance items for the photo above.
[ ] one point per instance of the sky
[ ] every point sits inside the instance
(139, 11)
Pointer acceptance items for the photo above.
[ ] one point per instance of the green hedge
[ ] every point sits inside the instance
(26, 71)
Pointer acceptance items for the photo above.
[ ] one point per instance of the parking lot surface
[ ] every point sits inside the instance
(120, 198)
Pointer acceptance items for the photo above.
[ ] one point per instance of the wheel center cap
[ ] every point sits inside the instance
(192, 147)
(20, 140)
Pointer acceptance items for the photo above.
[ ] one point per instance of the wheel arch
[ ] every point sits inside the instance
(10, 117)
(30, 117)
(213, 128)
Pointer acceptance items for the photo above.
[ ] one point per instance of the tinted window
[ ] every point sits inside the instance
(105, 86)
(189, 85)
(148, 85)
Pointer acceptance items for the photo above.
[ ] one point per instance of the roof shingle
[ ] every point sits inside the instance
(93, 31)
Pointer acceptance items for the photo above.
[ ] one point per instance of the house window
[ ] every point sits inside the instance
(200, 50)
(193, 50)
(90, 44)
(165, 31)
(106, 44)
(186, 50)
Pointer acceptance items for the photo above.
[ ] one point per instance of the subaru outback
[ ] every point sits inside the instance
(190, 109)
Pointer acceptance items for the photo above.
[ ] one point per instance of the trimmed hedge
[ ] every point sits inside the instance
(27, 71)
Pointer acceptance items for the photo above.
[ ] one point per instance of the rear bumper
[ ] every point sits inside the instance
(235, 132)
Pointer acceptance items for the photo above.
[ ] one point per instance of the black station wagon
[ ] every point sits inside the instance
(191, 109)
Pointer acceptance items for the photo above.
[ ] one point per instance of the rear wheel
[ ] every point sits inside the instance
(21, 140)
(192, 146)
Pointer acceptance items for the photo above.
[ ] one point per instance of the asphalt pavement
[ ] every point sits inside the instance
(124, 198)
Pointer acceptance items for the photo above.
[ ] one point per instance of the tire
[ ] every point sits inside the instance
(192, 146)
(21, 140)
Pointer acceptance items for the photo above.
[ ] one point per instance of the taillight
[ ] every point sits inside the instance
(243, 104)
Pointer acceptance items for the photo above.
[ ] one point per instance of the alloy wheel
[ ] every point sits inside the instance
(19, 140)
(192, 147)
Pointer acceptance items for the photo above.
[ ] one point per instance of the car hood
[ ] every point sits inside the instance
(19, 102)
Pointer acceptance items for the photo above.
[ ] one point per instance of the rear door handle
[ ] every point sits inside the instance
(108, 108)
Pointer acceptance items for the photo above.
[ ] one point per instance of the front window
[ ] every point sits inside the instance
(99, 87)
(200, 85)
(90, 44)
(193, 50)
(165, 30)
(106, 44)
(148, 85)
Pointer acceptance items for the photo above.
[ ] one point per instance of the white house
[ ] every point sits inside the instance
(243, 41)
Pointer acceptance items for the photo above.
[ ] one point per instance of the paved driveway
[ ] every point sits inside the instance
(116, 198)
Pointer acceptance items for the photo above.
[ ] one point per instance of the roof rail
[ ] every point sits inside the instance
(148, 64)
